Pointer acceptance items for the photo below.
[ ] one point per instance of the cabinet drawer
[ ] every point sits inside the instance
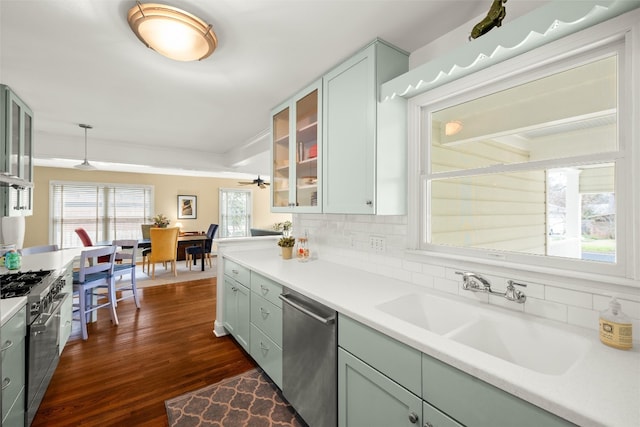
(267, 354)
(398, 361)
(15, 414)
(267, 317)
(237, 272)
(16, 328)
(474, 402)
(266, 288)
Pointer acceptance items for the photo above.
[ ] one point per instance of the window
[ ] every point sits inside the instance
(532, 167)
(235, 213)
(106, 211)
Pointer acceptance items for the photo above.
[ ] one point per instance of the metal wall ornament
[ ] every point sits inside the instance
(494, 18)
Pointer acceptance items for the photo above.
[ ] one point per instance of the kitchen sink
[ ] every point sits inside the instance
(438, 315)
(525, 343)
(528, 343)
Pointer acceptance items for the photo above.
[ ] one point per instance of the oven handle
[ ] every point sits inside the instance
(41, 326)
(324, 320)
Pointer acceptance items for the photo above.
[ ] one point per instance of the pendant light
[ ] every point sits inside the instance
(85, 165)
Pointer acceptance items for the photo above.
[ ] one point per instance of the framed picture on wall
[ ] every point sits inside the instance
(187, 207)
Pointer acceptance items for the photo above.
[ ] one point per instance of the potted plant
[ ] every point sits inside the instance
(161, 221)
(285, 227)
(287, 244)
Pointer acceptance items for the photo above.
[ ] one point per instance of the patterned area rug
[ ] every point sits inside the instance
(249, 399)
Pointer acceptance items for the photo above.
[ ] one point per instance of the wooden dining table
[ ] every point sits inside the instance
(195, 238)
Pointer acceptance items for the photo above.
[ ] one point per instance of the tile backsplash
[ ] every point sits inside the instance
(378, 244)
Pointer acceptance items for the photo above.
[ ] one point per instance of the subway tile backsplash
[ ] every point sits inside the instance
(345, 239)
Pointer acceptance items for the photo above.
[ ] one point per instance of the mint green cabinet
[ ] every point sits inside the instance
(66, 312)
(13, 367)
(368, 398)
(236, 311)
(16, 145)
(364, 141)
(476, 403)
(296, 148)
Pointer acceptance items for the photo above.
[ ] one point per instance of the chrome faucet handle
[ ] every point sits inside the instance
(512, 294)
(472, 281)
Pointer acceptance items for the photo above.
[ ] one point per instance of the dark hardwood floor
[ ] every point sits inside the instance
(122, 375)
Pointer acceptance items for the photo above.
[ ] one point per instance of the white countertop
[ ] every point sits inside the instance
(57, 260)
(603, 388)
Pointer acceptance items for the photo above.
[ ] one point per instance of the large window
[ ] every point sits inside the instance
(106, 211)
(533, 168)
(235, 213)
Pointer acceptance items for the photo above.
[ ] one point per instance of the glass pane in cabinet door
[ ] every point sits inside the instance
(16, 112)
(26, 152)
(307, 150)
(280, 179)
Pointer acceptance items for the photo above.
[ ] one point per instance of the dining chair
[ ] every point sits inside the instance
(164, 245)
(86, 240)
(145, 235)
(192, 251)
(92, 275)
(125, 264)
(38, 249)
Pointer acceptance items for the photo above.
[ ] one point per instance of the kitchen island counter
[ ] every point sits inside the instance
(602, 388)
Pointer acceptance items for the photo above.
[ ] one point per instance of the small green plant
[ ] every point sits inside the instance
(287, 242)
(160, 220)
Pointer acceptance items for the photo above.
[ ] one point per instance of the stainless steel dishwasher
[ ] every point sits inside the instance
(309, 359)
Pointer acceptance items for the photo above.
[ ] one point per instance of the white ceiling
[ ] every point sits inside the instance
(77, 61)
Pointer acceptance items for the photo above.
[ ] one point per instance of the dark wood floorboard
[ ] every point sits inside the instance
(122, 375)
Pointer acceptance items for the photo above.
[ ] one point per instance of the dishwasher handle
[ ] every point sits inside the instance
(324, 320)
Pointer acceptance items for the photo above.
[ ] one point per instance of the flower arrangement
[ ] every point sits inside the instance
(287, 242)
(161, 221)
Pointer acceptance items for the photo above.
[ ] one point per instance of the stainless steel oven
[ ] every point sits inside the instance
(42, 353)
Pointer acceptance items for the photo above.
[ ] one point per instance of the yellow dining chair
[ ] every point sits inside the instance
(164, 245)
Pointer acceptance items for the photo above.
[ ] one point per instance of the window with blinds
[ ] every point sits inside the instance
(105, 211)
(235, 213)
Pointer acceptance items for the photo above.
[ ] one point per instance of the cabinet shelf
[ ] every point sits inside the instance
(284, 140)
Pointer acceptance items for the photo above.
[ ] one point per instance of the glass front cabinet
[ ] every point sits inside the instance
(296, 152)
(16, 139)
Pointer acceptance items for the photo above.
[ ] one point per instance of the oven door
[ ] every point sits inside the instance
(42, 348)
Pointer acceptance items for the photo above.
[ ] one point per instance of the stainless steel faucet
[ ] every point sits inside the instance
(476, 283)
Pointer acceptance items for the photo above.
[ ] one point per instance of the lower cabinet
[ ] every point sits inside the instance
(377, 388)
(13, 369)
(66, 312)
(236, 311)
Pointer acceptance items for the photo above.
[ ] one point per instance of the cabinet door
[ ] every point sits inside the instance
(296, 152)
(368, 398)
(236, 311)
(349, 123)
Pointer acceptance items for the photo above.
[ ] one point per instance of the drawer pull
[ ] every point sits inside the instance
(265, 290)
(234, 271)
(5, 382)
(7, 345)
(264, 348)
(427, 424)
(413, 417)
(234, 289)
(265, 313)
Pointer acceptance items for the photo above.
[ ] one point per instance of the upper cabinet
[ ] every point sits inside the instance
(364, 141)
(296, 152)
(16, 141)
(335, 148)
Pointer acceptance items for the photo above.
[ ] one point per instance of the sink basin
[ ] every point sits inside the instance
(438, 315)
(525, 343)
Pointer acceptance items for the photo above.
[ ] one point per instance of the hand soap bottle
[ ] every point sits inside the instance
(616, 327)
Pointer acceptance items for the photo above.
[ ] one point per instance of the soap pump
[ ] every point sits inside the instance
(616, 327)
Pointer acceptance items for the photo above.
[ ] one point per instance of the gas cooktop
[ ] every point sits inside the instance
(21, 283)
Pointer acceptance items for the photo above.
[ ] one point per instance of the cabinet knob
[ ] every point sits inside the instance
(369, 203)
(427, 424)
(5, 382)
(413, 417)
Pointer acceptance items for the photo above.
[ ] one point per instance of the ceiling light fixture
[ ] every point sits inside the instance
(172, 32)
(85, 165)
(452, 127)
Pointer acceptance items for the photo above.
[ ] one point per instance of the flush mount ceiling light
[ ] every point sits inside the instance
(452, 127)
(172, 32)
(85, 165)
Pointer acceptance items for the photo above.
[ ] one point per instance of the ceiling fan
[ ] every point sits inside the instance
(258, 181)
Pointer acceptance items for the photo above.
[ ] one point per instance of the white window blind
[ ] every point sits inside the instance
(235, 213)
(105, 211)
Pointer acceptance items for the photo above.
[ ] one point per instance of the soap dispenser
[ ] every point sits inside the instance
(616, 327)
